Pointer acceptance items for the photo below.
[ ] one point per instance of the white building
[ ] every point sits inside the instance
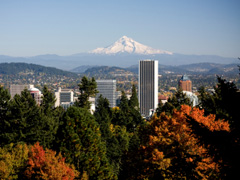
(36, 94)
(148, 86)
(64, 97)
(193, 98)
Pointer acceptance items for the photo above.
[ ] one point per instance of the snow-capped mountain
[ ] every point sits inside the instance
(128, 45)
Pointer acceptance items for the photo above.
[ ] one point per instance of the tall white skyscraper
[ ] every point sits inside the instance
(108, 90)
(148, 86)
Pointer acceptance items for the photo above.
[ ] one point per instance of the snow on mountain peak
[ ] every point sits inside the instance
(128, 45)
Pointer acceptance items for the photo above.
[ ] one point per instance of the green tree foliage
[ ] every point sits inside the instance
(126, 115)
(48, 101)
(50, 115)
(87, 88)
(26, 123)
(80, 142)
(24, 120)
(4, 101)
(133, 102)
(115, 137)
(103, 115)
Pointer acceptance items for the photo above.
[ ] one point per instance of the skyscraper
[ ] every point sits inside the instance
(108, 90)
(185, 83)
(148, 86)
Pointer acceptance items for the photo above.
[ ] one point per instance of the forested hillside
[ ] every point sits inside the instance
(24, 68)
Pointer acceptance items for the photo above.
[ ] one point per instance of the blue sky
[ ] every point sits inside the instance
(65, 27)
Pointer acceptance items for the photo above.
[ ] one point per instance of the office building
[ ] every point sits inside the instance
(18, 88)
(148, 86)
(185, 83)
(108, 90)
(64, 97)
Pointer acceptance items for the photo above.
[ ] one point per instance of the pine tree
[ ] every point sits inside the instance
(225, 147)
(48, 101)
(26, 122)
(80, 142)
(133, 102)
(4, 101)
(103, 115)
(88, 88)
(23, 119)
(175, 102)
(51, 116)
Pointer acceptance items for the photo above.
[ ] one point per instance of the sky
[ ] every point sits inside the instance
(65, 27)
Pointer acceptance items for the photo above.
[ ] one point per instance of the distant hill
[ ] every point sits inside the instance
(107, 72)
(21, 68)
(197, 68)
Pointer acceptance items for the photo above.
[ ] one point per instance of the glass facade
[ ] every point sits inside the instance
(148, 86)
(108, 90)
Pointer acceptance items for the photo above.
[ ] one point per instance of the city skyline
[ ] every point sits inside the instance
(30, 28)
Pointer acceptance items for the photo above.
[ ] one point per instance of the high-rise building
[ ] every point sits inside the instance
(148, 86)
(108, 90)
(185, 83)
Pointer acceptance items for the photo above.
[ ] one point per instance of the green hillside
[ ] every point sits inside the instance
(24, 68)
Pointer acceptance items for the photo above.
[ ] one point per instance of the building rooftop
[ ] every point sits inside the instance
(185, 78)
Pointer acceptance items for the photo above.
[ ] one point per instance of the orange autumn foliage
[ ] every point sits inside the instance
(174, 151)
(44, 164)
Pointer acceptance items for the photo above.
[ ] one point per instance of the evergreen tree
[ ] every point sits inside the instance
(159, 108)
(133, 102)
(23, 119)
(87, 89)
(26, 123)
(80, 142)
(50, 115)
(225, 147)
(4, 101)
(178, 99)
(103, 115)
(48, 101)
(115, 137)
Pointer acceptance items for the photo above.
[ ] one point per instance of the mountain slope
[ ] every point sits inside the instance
(20, 68)
(128, 45)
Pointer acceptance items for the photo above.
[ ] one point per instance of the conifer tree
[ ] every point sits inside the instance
(133, 102)
(175, 102)
(4, 101)
(115, 137)
(48, 101)
(26, 123)
(51, 116)
(225, 147)
(80, 142)
(88, 88)
(103, 115)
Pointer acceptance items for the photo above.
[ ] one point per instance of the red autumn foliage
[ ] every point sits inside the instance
(174, 151)
(44, 164)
